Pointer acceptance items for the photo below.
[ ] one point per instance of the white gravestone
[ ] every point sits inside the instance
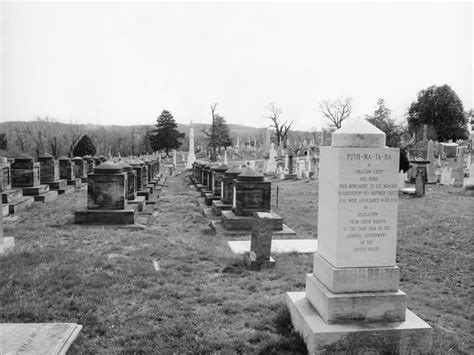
(191, 156)
(358, 199)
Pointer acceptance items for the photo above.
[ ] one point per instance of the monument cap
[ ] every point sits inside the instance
(108, 167)
(63, 158)
(220, 168)
(77, 159)
(358, 132)
(45, 156)
(233, 172)
(126, 167)
(249, 174)
(24, 157)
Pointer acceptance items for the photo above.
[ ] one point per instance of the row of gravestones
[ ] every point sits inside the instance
(119, 190)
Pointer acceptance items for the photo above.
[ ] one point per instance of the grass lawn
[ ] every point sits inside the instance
(201, 300)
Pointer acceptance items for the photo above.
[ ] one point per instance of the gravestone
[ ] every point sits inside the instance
(431, 168)
(107, 201)
(26, 174)
(300, 169)
(80, 169)
(250, 194)
(271, 164)
(90, 164)
(446, 175)
(12, 199)
(67, 171)
(132, 186)
(6, 243)
(352, 302)
(261, 242)
(217, 172)
(458, 173)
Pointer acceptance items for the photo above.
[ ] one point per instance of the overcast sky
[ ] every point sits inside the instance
(123, 63)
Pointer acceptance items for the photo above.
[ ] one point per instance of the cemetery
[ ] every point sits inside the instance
(236, 178)
(185, 250)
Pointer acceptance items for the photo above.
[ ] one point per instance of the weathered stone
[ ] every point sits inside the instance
(66, 168)
(49, 168)
(25, 172)
(107, 188)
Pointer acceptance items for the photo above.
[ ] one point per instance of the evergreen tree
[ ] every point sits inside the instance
(440, 108)
(166, 136)
(382, 120)
(3, 141)
(84, 147)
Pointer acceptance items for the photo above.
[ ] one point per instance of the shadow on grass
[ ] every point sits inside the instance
(290, 342)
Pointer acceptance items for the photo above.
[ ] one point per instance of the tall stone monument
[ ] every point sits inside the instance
(352, 302)
(191, 156)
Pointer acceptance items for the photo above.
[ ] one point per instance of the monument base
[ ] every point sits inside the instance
(7, 245)
(218, 206)
(75, 182)
(85, 180)
(210, 197)
(36, 190)
(139, 201)
(46, 197)
(231, 221)
(252, 263)
(205, 190)
(11, 195)
(410, 336)
(125, 216)
(20, 204)
(66, 190)
(288, 176)
(145, 193)
(56, 185)
(38, 338)
(150, 187)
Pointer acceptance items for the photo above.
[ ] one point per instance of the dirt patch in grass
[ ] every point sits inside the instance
(201, 299)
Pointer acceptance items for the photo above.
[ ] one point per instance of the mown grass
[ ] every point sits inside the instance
(202, 300)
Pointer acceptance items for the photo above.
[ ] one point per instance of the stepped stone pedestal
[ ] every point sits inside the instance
(67, 172)
(352, 302)
(80, 169)
(107, 201)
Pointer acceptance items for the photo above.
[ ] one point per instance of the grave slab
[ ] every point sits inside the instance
(412, 336)
(139, 201)
(233, 222)
(38, 338)
(66, 190)
(46, 197)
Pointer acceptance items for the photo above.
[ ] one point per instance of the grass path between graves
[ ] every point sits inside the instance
(200, 300)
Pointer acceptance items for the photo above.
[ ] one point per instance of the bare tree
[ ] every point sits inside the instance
(36, 132)
(281, 129)
(337, 110)
(212, 134)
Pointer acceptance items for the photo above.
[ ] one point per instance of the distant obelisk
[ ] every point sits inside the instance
(191, 156)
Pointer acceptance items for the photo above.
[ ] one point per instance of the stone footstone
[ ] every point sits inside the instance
(20, 204)
(37, 190)
(5, 210)
(101, 217)
(410, 336)
(38, 338)
(46, 197)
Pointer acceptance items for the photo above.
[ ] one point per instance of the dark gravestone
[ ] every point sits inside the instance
(251, 193)
(217, 174)
(90, 163)
(49, 168)
(131, 179)
(25, 172)
(80, 168)
(66, 168)
(227, 184)
(107, 188)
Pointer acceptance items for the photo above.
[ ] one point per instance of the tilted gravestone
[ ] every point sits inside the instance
(352, 302)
